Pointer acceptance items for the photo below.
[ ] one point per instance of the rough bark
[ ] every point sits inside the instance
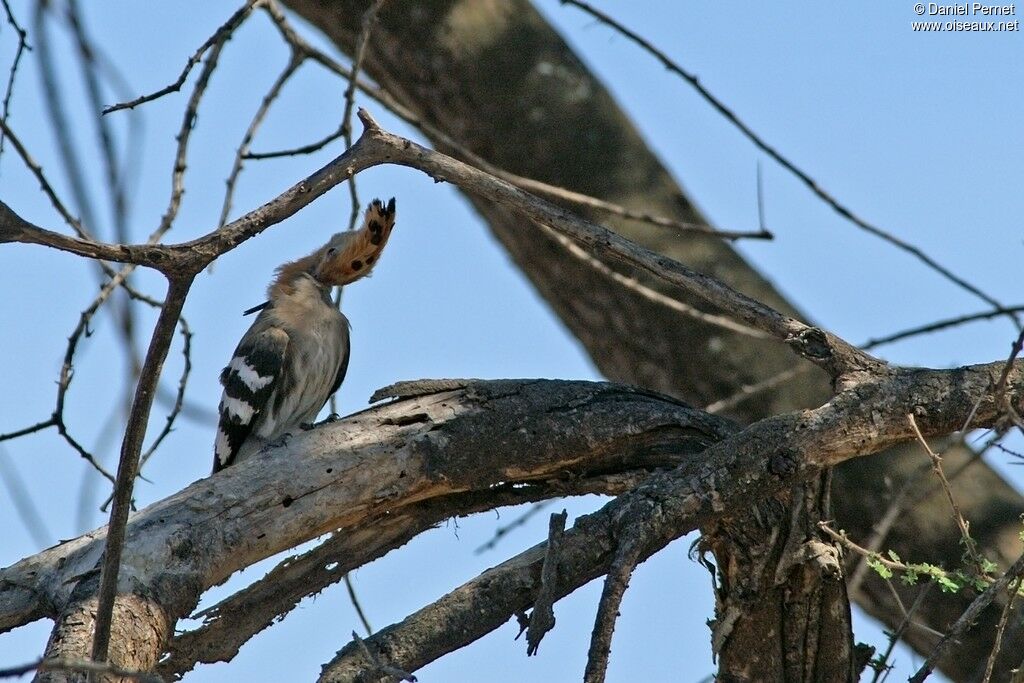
(476, 438)
(781, 611)
(494, 76)
(229, 624)
(484, 436)
(764, 460)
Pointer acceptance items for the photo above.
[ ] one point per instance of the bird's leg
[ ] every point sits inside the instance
(333, 417)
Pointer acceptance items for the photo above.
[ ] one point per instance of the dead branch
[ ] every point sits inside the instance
(229, 624)
(815, 187)
(376, 461)
(734, 472)
(828, 351)
(542, 618)
(627, 555)
(967, 619)
(219, 36)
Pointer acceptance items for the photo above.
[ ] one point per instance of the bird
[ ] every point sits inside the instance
(295, 354)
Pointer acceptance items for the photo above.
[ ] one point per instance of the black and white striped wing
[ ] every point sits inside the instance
(249, 381)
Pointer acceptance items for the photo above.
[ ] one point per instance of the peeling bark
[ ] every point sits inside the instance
(481, 438)
(493, 75)
(781, 609)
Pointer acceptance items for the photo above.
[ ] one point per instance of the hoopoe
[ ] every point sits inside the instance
(295, 354)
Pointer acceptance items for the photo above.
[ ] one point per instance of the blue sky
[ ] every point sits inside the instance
(919, 133)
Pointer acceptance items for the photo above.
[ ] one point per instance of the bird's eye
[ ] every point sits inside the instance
(332, 251)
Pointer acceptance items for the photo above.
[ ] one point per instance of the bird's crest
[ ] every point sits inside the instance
(347, 257)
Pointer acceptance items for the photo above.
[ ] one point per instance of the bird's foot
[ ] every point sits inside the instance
(333, 417)
(306, 426)
(279, 442)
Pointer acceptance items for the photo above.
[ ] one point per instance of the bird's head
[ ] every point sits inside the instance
(347, 257)
(351, 255)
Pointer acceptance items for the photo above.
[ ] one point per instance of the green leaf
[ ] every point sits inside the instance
(875, 563)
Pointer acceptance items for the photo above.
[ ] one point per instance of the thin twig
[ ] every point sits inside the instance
(931, 572)
(783, 161)
(519, 521)
(615, 585)
(967, 619)
(1015, 349)
(23, 46)
(880, 531)
(44, 184)
(1003, 618)
(80, 665)
(37, 427)
(179, 400)
(128, 466)
(366, 25)
(354, 599)
(965, 531)
(896, 635)
(188, 122)
(308, 148)
(218, 36)
(940, 325)
(542, 618)
(294, 62)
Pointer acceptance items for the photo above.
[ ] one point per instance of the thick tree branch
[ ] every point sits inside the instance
(498, 80)
(441, 444)
(229, 624)
(128, 465)
(768, 457)
(14, 228)
(833, 354)
(369, 464)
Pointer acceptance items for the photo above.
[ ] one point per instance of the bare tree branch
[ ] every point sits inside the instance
(664, 508)
(627, 555)
(819, 347)
(811, 184)
(229, 624)
(219, 36)
(967, 619)
(542, 618)
(385, 461)
(553, 192)
(128, 466)
(12, 73)
(79, 666)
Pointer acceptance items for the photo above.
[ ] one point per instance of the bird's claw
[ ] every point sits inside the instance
(279, 442)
